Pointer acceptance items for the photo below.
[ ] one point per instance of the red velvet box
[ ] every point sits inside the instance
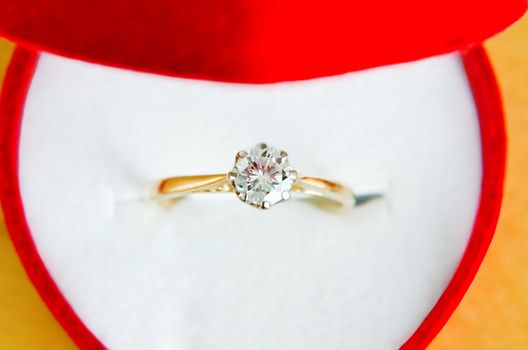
(102, 97)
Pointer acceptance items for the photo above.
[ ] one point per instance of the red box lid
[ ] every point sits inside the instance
(253, 41)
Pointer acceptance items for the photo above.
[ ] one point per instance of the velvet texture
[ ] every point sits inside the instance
(13, 97)
(493, 135)
(253, 41)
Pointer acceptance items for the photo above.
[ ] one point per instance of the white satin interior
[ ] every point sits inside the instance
(212, 273)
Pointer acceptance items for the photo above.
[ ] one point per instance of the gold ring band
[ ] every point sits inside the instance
(181, 186)
(262, 176)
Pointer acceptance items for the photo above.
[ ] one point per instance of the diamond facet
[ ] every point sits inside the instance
(262, 176)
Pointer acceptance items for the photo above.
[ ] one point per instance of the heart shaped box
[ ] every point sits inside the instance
(80, 140)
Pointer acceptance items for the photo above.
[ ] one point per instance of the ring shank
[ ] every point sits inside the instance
(181, 186)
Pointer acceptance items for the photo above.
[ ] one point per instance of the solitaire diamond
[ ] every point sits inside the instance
(262, 176)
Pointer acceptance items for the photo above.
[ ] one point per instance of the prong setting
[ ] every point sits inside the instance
(294, 175)
(231, 176)
(262, 176)
(241, 154)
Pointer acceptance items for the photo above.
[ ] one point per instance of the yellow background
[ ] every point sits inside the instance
(492, 316)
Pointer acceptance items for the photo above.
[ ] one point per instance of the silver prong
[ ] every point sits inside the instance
(241, 154)
(242, 197)
(284, 154)
(285, 195)
(266, 205)
(262, 145)
(294, 175)
(231, 176)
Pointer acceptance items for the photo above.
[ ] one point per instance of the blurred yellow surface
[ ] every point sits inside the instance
(492, 316)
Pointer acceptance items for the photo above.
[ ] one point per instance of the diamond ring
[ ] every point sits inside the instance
(261, 177)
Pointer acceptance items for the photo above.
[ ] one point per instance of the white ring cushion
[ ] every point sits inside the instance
(212, 273)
